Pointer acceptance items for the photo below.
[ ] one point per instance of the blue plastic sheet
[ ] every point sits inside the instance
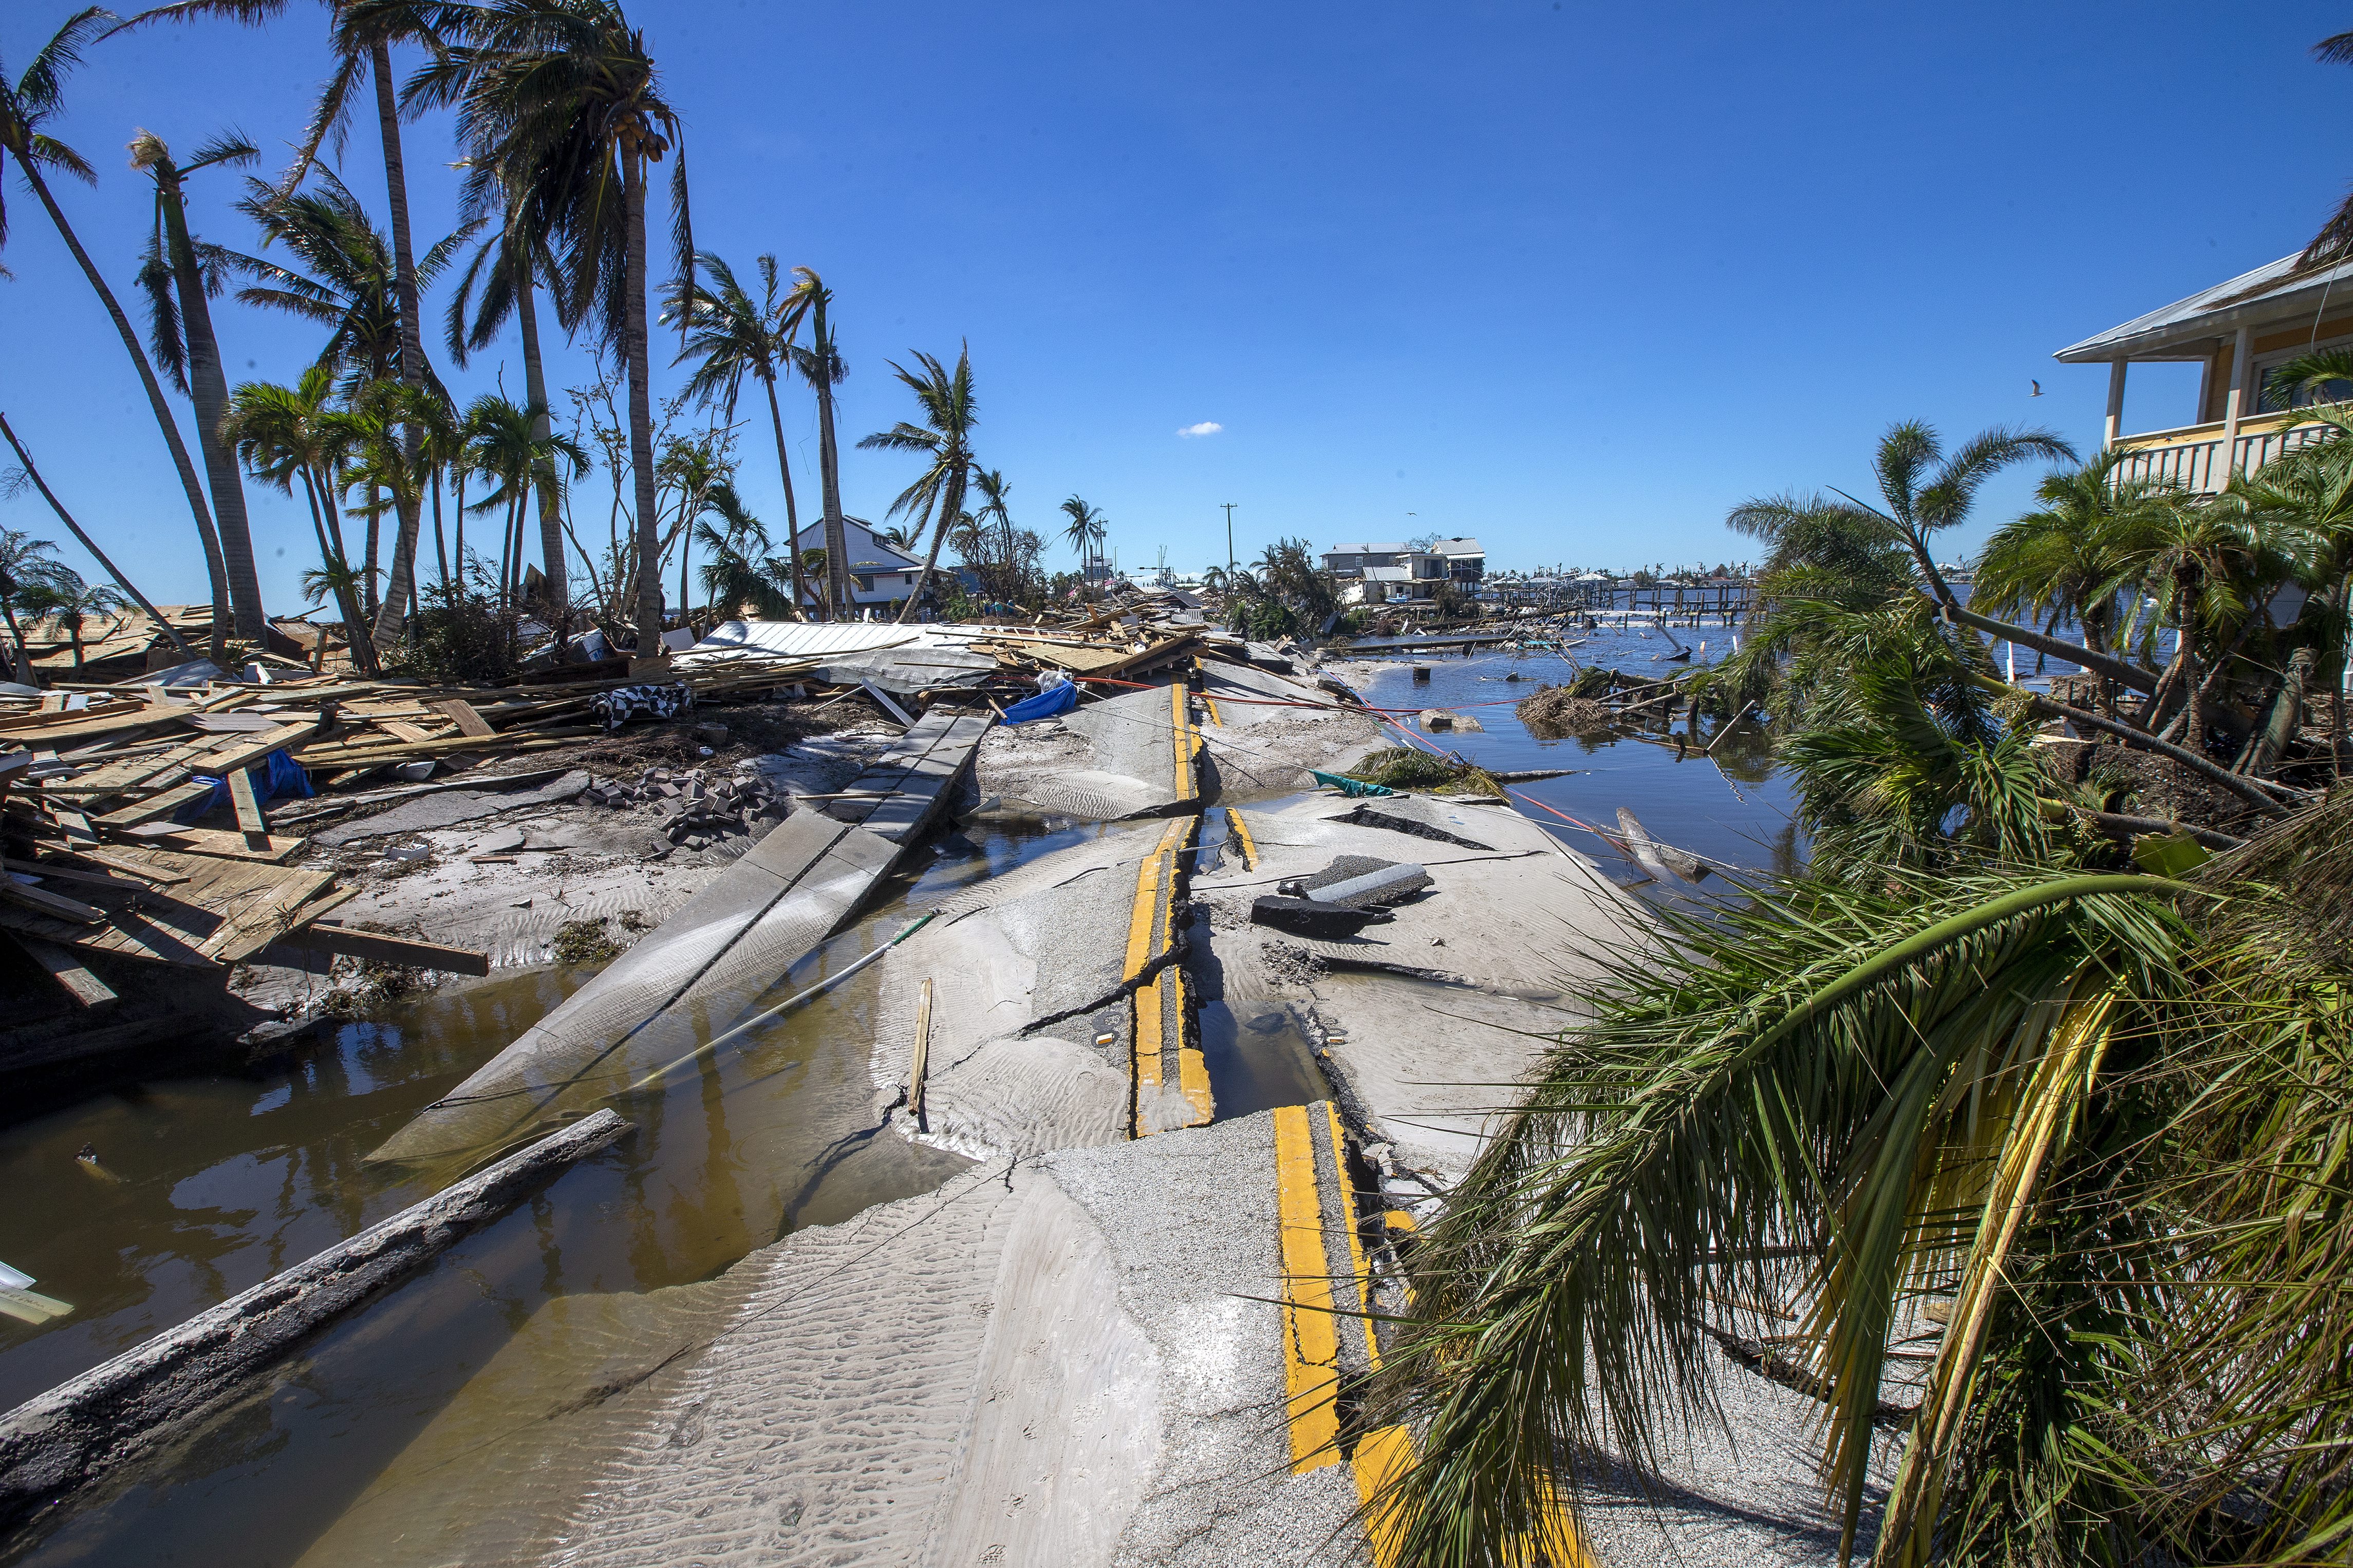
(1045, 705)
(275, 775)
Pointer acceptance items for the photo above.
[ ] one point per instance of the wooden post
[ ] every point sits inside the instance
(2234, 405)
(922, 1057)
(250, 820)
(2116, 425)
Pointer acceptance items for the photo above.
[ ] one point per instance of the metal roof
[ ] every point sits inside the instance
(1456, 547)
(2180, 330)
(1398, 549)
(799, 639)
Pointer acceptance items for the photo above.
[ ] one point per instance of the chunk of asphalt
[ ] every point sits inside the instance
(1367, 816)
(1311, 917)
(1372, 888)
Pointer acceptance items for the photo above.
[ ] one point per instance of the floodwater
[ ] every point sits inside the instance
(204, 1184)
(1730, 808)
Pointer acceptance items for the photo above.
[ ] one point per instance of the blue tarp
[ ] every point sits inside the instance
(1045, 705)
(276, 775)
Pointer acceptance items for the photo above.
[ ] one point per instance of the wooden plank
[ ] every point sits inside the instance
(64, 966)
(214, 842)
(250, 820)
(56, 906)
(467, 721)
(73, 874)
(922, 1058)
(406, 730)
(326, 936)
(55, 727)
(162, 803)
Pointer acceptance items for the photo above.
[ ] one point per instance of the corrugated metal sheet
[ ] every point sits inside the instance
(798, 640)
(2257, 293)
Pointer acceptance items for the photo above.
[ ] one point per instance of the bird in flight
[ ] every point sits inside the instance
(2038, 388)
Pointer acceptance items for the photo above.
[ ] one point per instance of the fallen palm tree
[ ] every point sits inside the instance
(2090, 1120)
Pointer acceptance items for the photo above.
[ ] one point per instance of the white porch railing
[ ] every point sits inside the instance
(2191, 456)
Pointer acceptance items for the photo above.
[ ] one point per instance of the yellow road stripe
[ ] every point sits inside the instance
(1140, 918)
(1364, 1276)
(1311, 1354)
(1145, 1052)
(1240, 830)
(1192, 1067)
(1181, 738)
(1381, 1455)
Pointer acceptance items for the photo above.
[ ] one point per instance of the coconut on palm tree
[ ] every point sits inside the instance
(179, 277)
(944, 397)
(26, 104)
(731, 335)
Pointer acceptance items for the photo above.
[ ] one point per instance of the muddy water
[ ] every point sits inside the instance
(205, 1186)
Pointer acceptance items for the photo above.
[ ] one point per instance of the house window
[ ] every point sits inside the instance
(2277, 397)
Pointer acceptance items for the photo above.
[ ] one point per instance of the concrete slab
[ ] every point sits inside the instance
(1047, 1361)
(1264, 732)
(450, 807)
(1126, 756)
(703, 967)
(1032, 1009)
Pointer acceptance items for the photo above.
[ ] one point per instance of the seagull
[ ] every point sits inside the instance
(2038, 389)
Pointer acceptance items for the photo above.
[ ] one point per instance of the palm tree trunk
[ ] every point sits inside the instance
(391, 613)
(25, 672)
(458, 526)
(551, 522)
(641, 418)
(208, 391)
(367, 582)
(951, 506)
(792, 513)
(440, 545)
(829, 462)
(214, 569)
(331, 558)
(170, 634)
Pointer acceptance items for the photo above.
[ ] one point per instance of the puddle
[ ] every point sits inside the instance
(208, 1183)
(1258, 1059)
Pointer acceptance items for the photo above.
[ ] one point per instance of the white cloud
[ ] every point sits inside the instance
(1205, 427)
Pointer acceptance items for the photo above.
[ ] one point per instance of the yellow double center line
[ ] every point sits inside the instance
(1184, 740)
(1313, 1322)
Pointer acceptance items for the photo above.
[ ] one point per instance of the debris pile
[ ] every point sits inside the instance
(1557, 710)
(698, 808)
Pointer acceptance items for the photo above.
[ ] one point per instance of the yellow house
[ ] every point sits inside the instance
(2240, 332)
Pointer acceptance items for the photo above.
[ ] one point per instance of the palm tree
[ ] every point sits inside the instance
(730, 336)
(993, 532)
(27, 576)
(1085, 532)
(32, 476)
(179, 277)
(31, 100)
(287, 434)
(507, 269)
(820, 365)
(2061, 562)
(351, 288)
(559, 99)
(67, 599)
(503, 443)
(361, 37)
(945, 400)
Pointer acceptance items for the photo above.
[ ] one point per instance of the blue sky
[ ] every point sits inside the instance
(1574, 279)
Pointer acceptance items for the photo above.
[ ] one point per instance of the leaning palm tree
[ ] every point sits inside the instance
(362, 35)
(730, 335)
(179, 277)
(944, 397)
(560, 101)
(29, 475)
(34, 98)
(2063, 560)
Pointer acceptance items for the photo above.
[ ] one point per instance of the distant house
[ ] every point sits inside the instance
(1466, 559)
(880, 572)
(2239, 333)
(1388, 573)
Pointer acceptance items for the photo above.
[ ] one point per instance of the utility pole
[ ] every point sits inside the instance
(1230, 538)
